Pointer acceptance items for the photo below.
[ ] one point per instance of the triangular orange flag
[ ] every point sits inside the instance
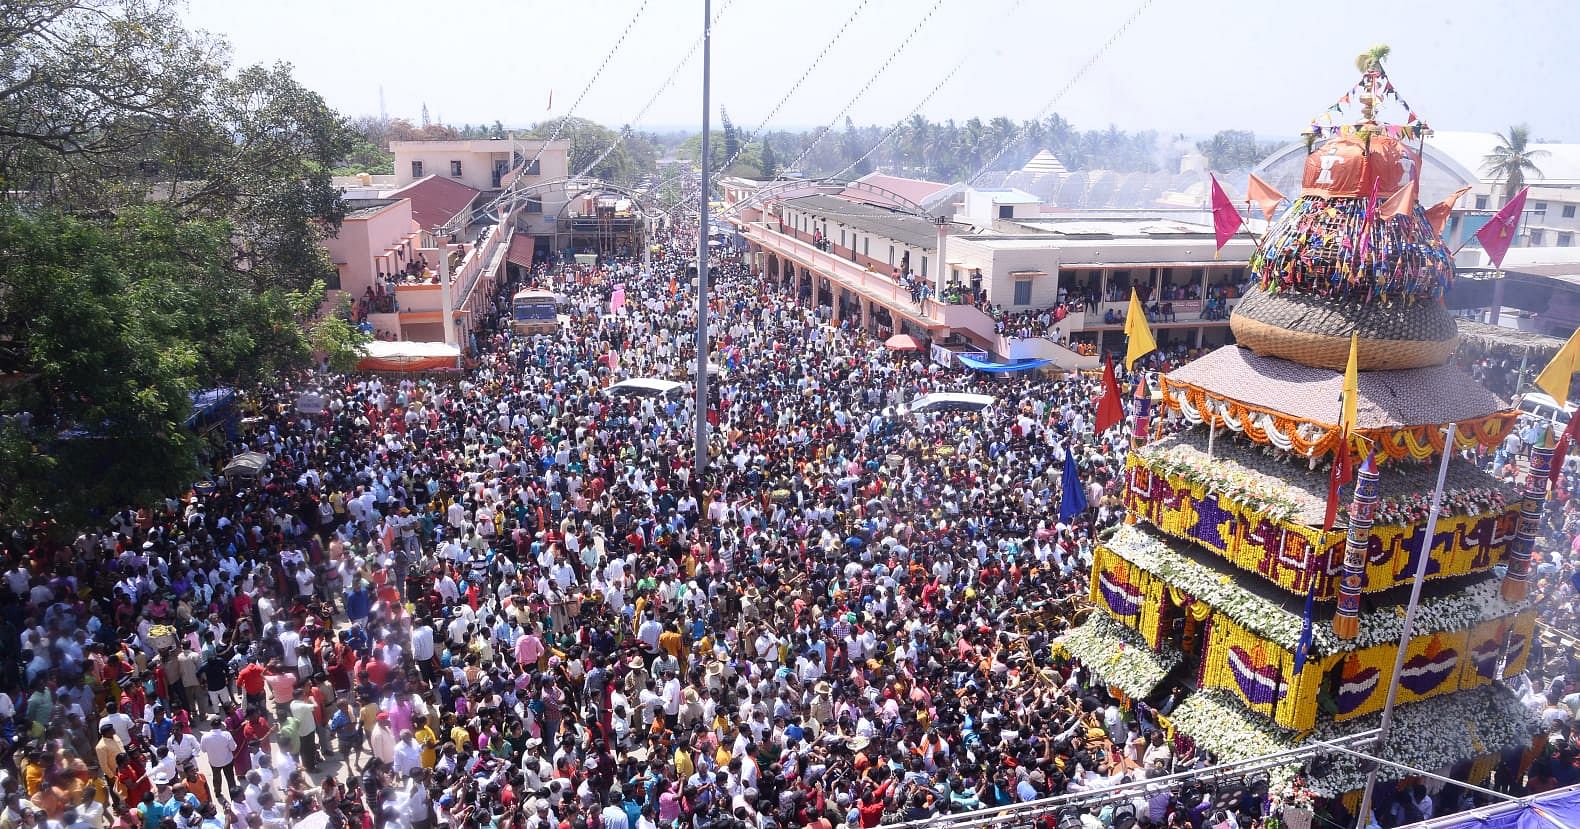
(1437, 214)
(1264, 195)
(1401, 203)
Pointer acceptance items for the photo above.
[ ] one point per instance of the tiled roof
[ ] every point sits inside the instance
(435, 199)
(915, 189)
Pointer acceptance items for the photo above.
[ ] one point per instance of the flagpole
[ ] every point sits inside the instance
(1407, 627)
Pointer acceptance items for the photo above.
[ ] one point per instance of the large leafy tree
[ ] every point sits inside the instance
(109, 327)
(1512, 159)
(598, 151)
(160, 220)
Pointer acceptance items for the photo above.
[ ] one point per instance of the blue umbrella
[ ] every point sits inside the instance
(1073, 502)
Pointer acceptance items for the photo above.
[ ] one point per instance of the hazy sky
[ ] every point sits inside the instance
(1191, 66)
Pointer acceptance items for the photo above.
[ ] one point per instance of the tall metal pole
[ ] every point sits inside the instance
(1407, 628)
(700, 451)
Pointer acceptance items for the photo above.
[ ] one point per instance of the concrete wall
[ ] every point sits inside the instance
(356, 251)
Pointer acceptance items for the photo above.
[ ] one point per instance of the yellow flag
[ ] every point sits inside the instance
(1555, 378)
(1352, 386)
(1138, 336)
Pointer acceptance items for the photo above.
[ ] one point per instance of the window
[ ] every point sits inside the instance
(891, 256)
(416, 169)
(842, 238)
(1569, 211)
(1537, 238)
(534, 168)
(1566, 240)
(866, 247)
(1541, 207)
(455, 169)
(1481, 202)
(1023, 292)
(1006, 211)
(924, 266)
(535, 205)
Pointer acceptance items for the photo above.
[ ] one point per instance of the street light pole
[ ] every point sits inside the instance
(1407, 628)
(700, 417)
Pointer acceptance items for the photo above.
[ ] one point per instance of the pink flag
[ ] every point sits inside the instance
(1497, 234)
(1225, 219)
(617, 299)
(1366, 227)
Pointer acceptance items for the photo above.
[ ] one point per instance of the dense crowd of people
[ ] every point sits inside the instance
(509, 599)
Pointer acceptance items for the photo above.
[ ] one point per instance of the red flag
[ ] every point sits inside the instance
(1401, 203)
(1343, 472)
(1498, 234)
(1110, 407)
(1561, 451)
(1438, 213)
(1226, 220)
(1264, 195)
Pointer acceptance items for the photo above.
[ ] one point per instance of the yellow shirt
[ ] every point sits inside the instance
(683, 766)
(427, 739)
(459, 736)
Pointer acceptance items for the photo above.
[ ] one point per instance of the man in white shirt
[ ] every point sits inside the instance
(408, 755)
(219, 747)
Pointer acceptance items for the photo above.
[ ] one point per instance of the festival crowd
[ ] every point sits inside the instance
(507, 598)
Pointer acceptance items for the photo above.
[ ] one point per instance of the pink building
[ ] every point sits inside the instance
(378, 238)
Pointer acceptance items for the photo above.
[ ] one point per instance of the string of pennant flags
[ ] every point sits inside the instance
(1400, 131)
(1324, 124)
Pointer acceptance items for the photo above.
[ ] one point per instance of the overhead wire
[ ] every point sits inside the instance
(669, 81)
(510, 191)
(1080, 73)
(898, 125)
(817, 137)
(805, 73)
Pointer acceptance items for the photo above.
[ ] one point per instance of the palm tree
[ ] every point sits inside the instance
(1512, 159)
(1372, 58)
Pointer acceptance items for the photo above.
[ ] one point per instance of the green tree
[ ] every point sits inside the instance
(591, 151)
(732, 139)
(768, 161)
(1230, 150)
(111, 325)
(1512, 159)
(160, 223)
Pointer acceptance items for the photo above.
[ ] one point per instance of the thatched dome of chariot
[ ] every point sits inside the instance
(1354, 253)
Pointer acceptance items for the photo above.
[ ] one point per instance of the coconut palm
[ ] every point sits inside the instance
(1512, 159)
(1372, 58)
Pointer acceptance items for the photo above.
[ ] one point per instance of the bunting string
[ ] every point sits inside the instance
(1315, 250)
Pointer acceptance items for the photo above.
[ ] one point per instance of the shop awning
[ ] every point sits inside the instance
(1000, 368)
(520, 250)
(381, 355)
(1557, 809)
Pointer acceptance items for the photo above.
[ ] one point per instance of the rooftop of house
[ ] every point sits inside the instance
(435, 199)
(890, 224)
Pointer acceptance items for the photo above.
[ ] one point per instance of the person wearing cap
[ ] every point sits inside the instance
(382, 740)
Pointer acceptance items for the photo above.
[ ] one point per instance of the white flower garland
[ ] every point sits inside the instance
(1119, 655)
(1462, 609)
(1431, 734)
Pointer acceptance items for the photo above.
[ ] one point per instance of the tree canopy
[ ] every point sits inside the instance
(161, 214)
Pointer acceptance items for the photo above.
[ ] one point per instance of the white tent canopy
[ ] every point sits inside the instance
(401, 349)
